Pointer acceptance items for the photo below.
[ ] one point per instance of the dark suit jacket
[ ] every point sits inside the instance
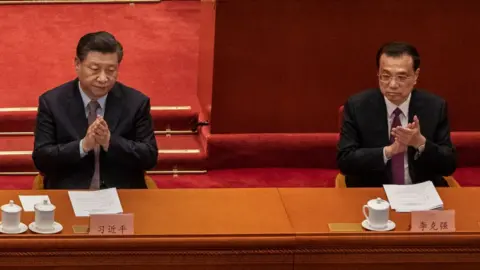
(365, 132)
(62, 123)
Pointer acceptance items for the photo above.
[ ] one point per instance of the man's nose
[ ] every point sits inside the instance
(393, 83)
(102, 77)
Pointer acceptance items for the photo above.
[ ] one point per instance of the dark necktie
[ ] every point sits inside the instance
(398, 162)
(92, 115)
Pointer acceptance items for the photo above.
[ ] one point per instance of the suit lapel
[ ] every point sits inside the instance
(384, 133)
(415, 107)
(113, 107)
(76, 111)
(380, 116)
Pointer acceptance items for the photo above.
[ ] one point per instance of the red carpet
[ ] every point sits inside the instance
(237, 178)
(161, 55)
(160, 42)
(178, 152)
(251, 178)
(12, 120)
(247, 178)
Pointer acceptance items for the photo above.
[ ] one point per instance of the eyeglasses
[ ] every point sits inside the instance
(386, 78)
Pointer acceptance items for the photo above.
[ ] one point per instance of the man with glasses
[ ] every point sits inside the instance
(395, 134)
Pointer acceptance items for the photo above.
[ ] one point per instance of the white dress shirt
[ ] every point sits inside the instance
(404, 121)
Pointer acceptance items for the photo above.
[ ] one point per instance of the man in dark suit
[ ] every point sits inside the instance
(94, 132)
(382, 140)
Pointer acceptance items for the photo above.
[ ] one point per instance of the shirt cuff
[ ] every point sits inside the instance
(385, 159)
(82, 153)
(419, 151)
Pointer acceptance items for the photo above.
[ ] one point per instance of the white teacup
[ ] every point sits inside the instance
(11, 214)
(378, 213)
(44, 216)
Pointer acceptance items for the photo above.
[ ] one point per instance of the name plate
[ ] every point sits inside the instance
(433, 221)
(111, 224)
(345, 227)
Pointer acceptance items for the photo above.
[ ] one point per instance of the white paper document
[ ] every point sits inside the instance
(29, 201)
(105, 201)
(416, 197)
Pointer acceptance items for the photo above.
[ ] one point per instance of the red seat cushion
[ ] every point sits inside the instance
(16, 181)
(468, 176)
(272, 150)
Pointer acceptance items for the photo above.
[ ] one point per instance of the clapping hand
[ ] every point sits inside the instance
(409, 135)
(102, 133)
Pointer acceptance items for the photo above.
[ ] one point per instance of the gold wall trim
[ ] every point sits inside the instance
(161, 151)
(157, 132)
(179, 151)
(75, 1)
(14, 133)
(18, 173)
(12, 153)
(162, 172)
(34, 109)
(177, 172)
(18, 109)
(178, 132)
(170, 108)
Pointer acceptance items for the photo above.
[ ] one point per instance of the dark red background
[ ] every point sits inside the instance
(286, 66)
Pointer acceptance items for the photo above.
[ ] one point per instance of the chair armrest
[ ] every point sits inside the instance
(452, 182)
(150, 183)
(38, 182)
(340, 181)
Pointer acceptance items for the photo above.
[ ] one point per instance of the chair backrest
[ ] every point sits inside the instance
(467, 144)
(340, 118)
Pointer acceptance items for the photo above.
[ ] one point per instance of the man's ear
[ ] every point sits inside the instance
(417, 74)
(76, 62)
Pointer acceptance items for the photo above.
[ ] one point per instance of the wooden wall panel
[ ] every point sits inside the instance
(206, 46)
(286, 66)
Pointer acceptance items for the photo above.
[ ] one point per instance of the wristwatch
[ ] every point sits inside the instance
(419, 151)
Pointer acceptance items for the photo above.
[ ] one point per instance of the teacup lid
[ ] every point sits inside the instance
(44, 206)
(11, 207)
(378, 204)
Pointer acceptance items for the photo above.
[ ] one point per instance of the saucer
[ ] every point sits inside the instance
(21, 229)
(57, 227)
(390, 226)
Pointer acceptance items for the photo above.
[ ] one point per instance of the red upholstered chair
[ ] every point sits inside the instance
(38, 182)
(467, 145)
(340, 179)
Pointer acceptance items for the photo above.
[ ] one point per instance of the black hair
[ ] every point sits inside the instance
(397, 49)
(103, 42)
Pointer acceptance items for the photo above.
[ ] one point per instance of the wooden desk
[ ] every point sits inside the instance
(247, 229)
(175, 229)
(311, 210)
